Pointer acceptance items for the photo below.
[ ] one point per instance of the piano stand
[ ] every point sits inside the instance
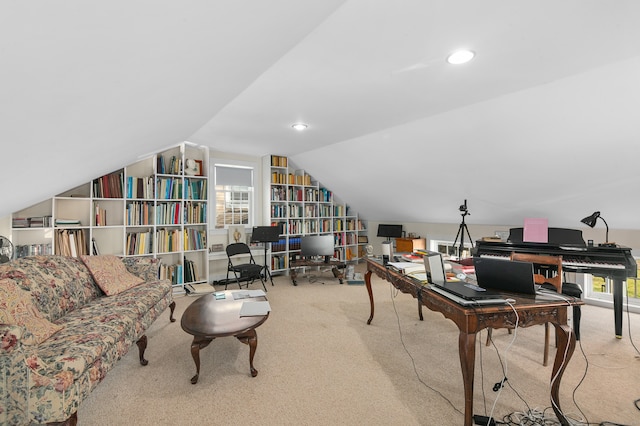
(618, 290)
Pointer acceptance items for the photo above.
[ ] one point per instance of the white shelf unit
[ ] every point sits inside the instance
(126, 220)
(302, 206)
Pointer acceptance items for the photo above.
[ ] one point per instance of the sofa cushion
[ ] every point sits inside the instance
(57, 284)
(110, 274)
(17, 308)
(146, 268)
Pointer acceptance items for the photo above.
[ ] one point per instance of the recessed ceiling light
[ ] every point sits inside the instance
(460, 57)
(299, 126)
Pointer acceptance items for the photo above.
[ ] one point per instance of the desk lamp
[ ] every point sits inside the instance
(590, 221)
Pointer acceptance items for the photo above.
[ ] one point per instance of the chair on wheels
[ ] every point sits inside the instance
(548, 273)
(243, 266)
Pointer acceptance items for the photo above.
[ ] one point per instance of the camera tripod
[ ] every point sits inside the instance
(461, 230)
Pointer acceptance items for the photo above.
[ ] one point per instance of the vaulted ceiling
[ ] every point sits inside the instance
(541, 123)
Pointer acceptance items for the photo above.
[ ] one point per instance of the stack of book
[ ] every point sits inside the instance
(407, 268)
(68, 222)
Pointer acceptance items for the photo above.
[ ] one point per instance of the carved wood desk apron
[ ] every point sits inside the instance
(207, 318)
(471, 320)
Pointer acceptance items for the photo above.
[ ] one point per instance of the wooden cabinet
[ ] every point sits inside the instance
(410, 244)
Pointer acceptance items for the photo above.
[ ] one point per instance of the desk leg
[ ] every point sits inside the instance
(250, 338)
(467, 349)
(618, 289)
(367, 283)
(566, 343)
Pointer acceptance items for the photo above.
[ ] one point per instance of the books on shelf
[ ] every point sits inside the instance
(33, 249)
(68, 222)
(190, 271)
(140, 187)
(139, 243)
(109, 186)
(70, 242)
(20, 222)
(172, 273)
(278, 161)
(31, 222)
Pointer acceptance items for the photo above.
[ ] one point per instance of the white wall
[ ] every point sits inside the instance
(5, 226)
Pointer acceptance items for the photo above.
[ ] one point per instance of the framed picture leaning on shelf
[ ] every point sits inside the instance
(237, 234)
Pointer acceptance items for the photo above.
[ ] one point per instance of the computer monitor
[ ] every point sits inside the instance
(317, 245)
(434, 267)
(389, 231)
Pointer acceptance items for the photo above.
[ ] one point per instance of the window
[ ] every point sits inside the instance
(233, 186)
(447, 248)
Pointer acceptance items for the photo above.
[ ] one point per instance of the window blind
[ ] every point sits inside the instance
(233, 176)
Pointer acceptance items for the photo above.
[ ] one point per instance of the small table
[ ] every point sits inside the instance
(209, 317)
(336, 266)
(472, 320)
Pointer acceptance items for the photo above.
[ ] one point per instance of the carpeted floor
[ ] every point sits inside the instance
(319, 363)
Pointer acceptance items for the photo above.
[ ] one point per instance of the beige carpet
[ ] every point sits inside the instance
(319, 363)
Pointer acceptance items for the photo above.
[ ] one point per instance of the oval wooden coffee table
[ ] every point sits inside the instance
(209, 317)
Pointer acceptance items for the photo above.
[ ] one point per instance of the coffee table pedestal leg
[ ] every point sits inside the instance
(198, 343)
(250, 338)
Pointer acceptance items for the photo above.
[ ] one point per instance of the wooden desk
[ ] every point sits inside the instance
(470, 320)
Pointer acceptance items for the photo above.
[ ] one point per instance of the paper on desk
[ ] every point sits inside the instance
(420, 276)
(407, 267)
(254, 308)
(247, 294)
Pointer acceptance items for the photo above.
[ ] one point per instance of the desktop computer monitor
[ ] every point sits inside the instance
(317, 246)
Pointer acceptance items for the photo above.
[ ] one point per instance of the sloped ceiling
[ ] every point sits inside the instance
(541, 123)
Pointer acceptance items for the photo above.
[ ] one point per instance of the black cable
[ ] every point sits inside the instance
(413, 362)
(629, 323)
(584, 375)
(637, 401)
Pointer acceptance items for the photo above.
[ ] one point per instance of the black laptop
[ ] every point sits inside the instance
(505, 275)
(434, 267)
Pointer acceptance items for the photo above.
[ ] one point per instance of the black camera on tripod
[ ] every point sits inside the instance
(463, 208)
(462, 230)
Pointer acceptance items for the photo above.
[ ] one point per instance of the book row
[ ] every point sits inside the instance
(33, 249)
(171, 166)
(172, 240)
(31, 222)
(290, 179)
(71, 242)
(109, 186)
(278, 161)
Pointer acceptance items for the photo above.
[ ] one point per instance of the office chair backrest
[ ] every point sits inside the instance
(543, 260)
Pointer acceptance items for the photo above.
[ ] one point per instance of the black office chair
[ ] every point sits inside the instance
(244, 269)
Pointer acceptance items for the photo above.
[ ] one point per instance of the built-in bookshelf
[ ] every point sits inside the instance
(156, 207)
(302, 206)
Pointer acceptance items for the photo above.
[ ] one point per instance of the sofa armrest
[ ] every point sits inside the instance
(14, 375)
(146, 268)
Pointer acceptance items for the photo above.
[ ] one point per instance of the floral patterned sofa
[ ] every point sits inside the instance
(64, 322)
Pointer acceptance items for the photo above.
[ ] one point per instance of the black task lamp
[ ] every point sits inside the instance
(590, 221)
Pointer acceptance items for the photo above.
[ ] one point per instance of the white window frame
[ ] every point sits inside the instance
(213, 194)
